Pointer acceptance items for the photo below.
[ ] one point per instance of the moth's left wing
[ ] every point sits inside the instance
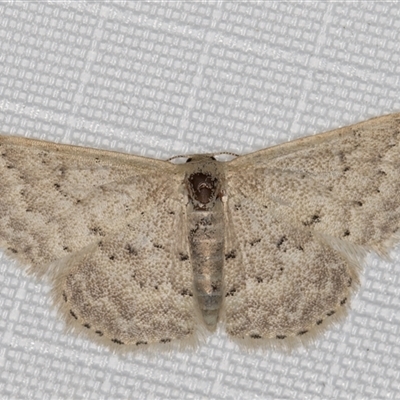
(344, 183)
(304, 214)
(280, 281)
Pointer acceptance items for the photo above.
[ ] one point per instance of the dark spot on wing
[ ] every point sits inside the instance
(282, 240)
(117, 341)
(131, 250)
(330, 313)
(231, 254)
(280, 336)
(140, 343)
(165, 340)
(95, 230)
(259, 280)
(186, 292)
(302, 332)
(183, 257)
(253, 242)
(313, 220)
(73, 314)
(231, 292)
(193, 231)
(255, 336)
(158, 246)
(100, 333)
(86, 326)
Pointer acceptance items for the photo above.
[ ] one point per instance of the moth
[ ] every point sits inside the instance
(143, 251)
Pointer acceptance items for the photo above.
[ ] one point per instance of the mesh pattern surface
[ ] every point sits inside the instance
(160, 79)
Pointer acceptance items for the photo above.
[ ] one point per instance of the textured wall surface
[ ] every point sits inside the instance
(180, 78)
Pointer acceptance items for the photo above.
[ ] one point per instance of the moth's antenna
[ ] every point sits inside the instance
(180, 156)
(227, 153)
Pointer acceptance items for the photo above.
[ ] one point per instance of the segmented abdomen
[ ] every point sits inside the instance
(206, 240)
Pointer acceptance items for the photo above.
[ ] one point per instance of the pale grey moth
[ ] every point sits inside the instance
(145, 251)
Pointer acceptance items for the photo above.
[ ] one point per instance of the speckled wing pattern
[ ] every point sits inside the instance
(142, 251)
(101, 225)
(304, 215)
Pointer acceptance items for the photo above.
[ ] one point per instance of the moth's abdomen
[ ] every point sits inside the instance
(205, 217)
(206, 239)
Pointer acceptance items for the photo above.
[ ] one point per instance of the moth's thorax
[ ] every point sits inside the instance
(204, 181)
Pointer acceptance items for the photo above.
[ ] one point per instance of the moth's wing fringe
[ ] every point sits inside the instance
(57, 273)
(189, 342)
(356, 259)
(355, 256)
(292, 343)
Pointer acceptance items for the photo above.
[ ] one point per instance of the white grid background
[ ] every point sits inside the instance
(166, 78)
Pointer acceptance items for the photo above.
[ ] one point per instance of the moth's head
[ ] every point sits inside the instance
(203, 180)
(202, 189)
